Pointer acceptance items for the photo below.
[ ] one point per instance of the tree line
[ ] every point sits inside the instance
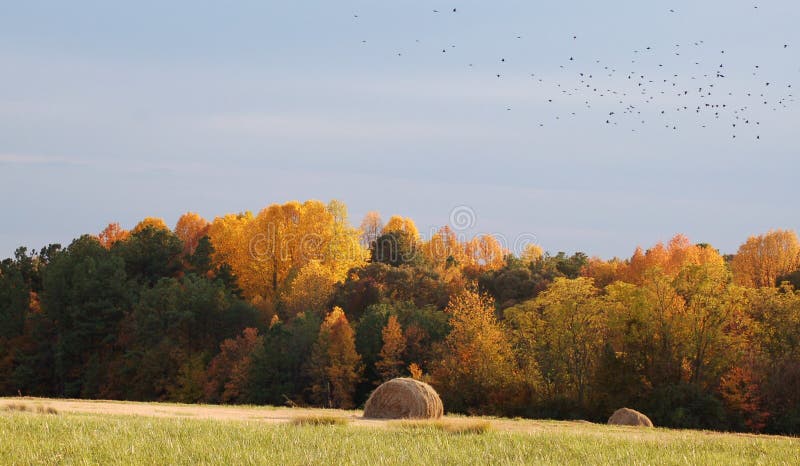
(296, 306)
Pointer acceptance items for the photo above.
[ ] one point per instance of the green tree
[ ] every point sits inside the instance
(85, 295)
(150, 254)
(277, 372)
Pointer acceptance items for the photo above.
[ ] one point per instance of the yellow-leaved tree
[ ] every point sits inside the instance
(268, 251)
(485, 252)
(371, 227)
(401, 224)
(310, 290)
(763, 258)
(477, 367)
(154, 222)
(532, 253)
(564, 328)
(444, 250)
(229, 239)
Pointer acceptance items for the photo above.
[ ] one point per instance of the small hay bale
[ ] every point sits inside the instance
(319, 420)
(459, 427)
(629, 417)
(16, 407)
(404, 398)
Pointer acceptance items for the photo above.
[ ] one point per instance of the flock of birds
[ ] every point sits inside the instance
(643, 90)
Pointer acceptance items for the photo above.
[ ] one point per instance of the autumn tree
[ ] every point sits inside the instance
(661, 326)
(476, 368)
(531, 253)
(444, 250)
(310, 291)
(228, 372)
(264, 252)
(390, 364)
(343, 251)
(187, 385)
(398, 223)
(189, 229)
(564, 326)
(154, 222)
(111, 234)
(230, 250)
(371, 227)
(743, 397)
(670, 259)
(335, 365)
(602, 272)
(763, 258)
(485, 252)
(714, 323)
(775, 353)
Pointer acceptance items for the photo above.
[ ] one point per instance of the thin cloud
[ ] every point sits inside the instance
(26, 159)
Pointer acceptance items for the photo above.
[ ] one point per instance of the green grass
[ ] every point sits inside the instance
(32, 438)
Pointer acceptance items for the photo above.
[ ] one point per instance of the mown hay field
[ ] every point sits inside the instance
(60, 432)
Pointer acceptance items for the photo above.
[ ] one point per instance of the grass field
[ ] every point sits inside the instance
(40, 431)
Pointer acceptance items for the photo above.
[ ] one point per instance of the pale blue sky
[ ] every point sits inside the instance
(113, 112)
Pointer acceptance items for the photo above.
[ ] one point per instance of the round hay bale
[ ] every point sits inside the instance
(629, 417)
(404, 398)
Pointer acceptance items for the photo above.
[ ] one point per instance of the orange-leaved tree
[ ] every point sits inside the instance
(190, 228)
(227, 373)
(390, 364)
(335, 367)
(111, 234)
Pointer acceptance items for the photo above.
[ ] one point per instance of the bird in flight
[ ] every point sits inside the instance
(619, 98)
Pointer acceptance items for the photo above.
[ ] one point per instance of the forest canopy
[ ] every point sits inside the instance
(295, 305)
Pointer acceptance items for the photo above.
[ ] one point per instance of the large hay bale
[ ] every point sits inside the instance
(629, 417)
(404, 398)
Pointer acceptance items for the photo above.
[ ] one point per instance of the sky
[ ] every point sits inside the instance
(112, 111)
